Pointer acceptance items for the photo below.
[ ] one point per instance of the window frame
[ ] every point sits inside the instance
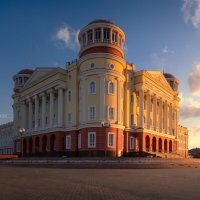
(113, 89)
(68, 142)
(89, 144)
(69, 96)
(108, 140)
(110, 107)
(90, 91)
(89, 114)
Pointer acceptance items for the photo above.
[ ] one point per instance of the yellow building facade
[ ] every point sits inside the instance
(99, 105)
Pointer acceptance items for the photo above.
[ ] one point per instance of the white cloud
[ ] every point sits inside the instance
(67, 37)
(165, 49)
(190, 108)
(191, 12)
(194, 79)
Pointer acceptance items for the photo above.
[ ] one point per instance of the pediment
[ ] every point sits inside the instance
(159, 77)
(38, 74)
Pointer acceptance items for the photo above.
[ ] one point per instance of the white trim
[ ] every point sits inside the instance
(89, 144)
(113, 113)
(95, 87)
(68, 142)
(89, 119)
(108, 85)
(108, 141)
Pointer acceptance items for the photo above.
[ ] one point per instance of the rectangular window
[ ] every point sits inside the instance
(68, 142)
(110, 113)
(89, 36)
(69, 118)
(79, 140)
(92, 113)
(91, 139)
(131, 142)
(98, 34)
(111, 140)
(132, 122)
(106, 34)
(131, 99)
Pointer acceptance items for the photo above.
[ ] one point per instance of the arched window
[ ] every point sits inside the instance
(92, 88)
(111, 87)
(69, 96)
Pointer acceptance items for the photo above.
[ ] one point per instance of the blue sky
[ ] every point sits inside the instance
(159, 35)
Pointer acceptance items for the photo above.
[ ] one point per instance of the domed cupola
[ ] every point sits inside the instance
(172, 80)
(21, 78)
(101, 36)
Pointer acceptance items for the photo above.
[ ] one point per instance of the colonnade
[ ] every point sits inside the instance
(40, 110)
(156, 113)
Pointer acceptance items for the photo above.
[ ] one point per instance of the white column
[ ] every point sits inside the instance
(30, 114)
(170, 119)
(43, 110)
(102, 97)
(155, 112)
(118, 100)
(93, 35)
(86, 38)
(51, 110)
(102, 34)
(83, 92)
(141, 100)
(161, 115)
(166, 117)
(110, 35)
(60, 107)
(148, 110)
(36, 111)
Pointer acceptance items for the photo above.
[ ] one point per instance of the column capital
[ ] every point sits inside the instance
(50, 90)
(42, 94)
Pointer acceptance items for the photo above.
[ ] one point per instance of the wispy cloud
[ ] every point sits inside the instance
(67, 37)
(194, 79)
(191, 12)
(166, 50)
(158, 61)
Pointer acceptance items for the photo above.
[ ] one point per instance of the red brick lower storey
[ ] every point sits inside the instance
(122, 143)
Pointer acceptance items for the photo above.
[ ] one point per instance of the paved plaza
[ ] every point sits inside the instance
(32, 183)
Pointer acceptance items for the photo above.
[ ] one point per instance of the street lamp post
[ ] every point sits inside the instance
(21, 131)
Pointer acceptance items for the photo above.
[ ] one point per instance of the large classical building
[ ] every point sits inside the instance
(99, 105)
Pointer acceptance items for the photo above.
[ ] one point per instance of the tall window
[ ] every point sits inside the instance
(114, 36)
(89, 34)
(69, 96)
(106, 34)
(131, 120)
(68, 142)
(131, 98)
(91, 139)
(69, 118)
(79, 140)
(131, 142)
(92, 88)
(111, 113)
(92, 113)
(98, 34)
(111, 87)
(111, 140)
